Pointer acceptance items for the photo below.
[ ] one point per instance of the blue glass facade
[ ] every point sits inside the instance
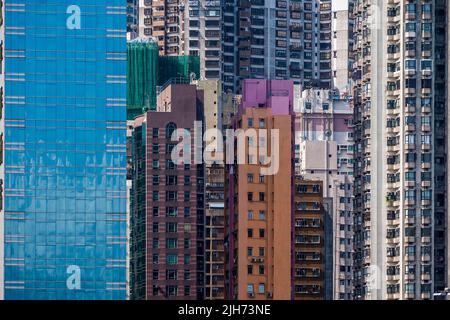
(65, 149)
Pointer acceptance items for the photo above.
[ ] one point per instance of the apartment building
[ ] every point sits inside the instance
(167, 215)
(324, 152)
(185, 28)
(203, 35)
(163, 20)
(342, 46)
(259, 207)
(214, 194)
(400, 128)
(283, 39)
(132, 19)
(309, 239)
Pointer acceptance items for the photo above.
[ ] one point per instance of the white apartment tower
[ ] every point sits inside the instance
(400, 166)
(324, 151)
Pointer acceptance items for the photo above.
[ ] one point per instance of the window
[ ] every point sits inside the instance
(172, 259)
(262, 215)
(261, 288)
(155, 133)
(262, 251)
(261, 196)
(171, 274)
(250, 215)
(187, 290)
(172, 291)
(171, 243)
(250, 251)
(250, 122)
(170, 128)
(262, 123)
(262, 233)
(261, 269)
(250, 289)
(250, 269)
(171, 227)
(250, 196)
(250, 233)
(250, 178)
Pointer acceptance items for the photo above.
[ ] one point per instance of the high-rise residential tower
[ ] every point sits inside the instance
(65, 158)
(259, 204)
(185, 28)
(309, 240)
(167, 199)
(132, 19)
(283, 39)
(324, 142)
(400, 159)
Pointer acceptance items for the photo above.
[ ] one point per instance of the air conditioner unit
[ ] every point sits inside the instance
(251, 294)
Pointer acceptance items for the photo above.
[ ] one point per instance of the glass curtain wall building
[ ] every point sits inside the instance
(65, 150)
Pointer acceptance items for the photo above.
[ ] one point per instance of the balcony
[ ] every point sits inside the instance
(409, 295)
(393, 259)
(426, 184)
(410, 239)
(426, 240)
(426, 165)
(425, 295)
(410, 165)
(410, 220)
(425, 277)
(395, 277)
(410, 257)
(426, 220)
(425, 258)
(410, 276)
(395, 240)
(393, 296)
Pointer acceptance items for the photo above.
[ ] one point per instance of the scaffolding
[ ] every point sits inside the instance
(142, 76)
(148, 74)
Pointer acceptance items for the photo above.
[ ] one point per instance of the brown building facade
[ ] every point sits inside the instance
(309, 267)
(167, 216)
(258, 206)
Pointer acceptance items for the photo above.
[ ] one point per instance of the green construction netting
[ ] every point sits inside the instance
(142, 74)
(180, 67)
(148, 72)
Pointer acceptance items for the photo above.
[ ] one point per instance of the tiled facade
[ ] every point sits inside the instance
(259, 207)
(170, 212)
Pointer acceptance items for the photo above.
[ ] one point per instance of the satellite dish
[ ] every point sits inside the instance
(328, 133)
